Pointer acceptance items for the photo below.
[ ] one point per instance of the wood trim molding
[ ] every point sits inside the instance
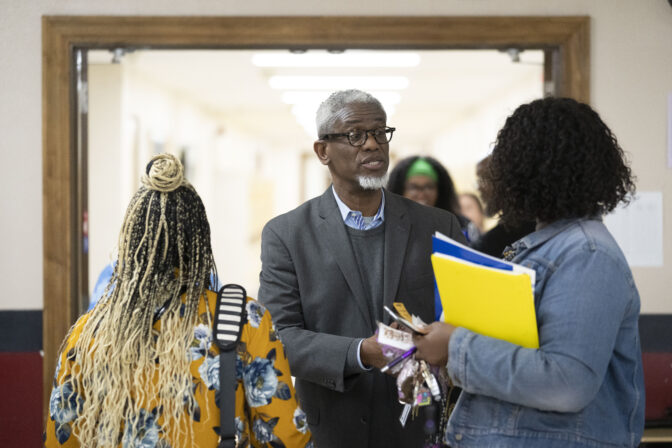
(62, 34)
(57, 204)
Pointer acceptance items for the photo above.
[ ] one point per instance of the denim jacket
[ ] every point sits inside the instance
(584, 386)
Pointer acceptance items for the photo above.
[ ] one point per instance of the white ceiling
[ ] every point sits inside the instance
(445, 87)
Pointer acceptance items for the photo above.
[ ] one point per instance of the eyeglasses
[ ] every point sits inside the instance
(358, 137)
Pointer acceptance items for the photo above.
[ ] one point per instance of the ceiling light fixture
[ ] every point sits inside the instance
(338, 82)
(317, 96)
(351, 58)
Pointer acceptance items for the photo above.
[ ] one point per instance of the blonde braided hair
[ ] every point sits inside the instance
(124, 368)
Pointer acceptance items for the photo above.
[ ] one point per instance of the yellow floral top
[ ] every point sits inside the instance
(267, 412)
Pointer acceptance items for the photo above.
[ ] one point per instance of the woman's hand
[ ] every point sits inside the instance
(433, 346)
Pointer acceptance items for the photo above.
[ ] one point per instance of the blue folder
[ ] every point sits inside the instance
(442, 246)
(446, 247)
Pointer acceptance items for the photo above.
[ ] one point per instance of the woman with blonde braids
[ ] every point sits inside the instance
(141, 368)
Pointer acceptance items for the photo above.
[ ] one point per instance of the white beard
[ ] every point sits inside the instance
(373, 183)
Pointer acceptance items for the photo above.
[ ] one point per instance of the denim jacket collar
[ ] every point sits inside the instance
(539, 237)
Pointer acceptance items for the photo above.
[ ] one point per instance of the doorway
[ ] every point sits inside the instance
(243, 123)
(564, 39)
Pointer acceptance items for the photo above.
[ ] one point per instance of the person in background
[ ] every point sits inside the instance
(423, 179)
(101, 284)
(556, 162)
(141, 368)
(472, 209)
(494, 241)
(105, 277)
(330, 265)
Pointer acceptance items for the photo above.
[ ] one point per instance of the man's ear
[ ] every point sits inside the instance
(320, 148)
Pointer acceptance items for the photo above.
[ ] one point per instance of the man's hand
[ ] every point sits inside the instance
(371, 353)
(433, 346)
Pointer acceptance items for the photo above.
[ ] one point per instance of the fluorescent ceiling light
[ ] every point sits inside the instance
(338, 82)
(317, 96)
(350, 58)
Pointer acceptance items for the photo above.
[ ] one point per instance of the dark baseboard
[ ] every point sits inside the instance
(21, 331)
(655, 331)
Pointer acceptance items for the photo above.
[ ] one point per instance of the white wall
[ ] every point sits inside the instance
(471, 137)
(631, 75)
(105, 158)
(238, 173)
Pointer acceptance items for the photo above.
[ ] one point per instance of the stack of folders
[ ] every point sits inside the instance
(484, 294)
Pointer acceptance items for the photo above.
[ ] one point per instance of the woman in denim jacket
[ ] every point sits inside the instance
(556, 162)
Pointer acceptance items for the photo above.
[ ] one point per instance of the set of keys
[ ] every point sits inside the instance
(416, 384)
(417, 387)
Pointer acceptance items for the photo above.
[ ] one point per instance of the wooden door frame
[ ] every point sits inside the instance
(61, 35)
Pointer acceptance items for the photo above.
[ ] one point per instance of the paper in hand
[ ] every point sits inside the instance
(413, 326)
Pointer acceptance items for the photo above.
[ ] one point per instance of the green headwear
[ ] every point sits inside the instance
(423, 168)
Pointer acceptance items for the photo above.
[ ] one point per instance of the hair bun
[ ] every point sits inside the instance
(165, 173)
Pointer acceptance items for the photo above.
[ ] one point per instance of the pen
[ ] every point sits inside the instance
(397, 360)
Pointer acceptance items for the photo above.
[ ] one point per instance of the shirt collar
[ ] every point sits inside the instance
(346, 211)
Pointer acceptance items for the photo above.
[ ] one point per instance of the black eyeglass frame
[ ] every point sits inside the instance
(387, 129)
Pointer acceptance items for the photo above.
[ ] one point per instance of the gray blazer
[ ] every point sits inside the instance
(311, 284)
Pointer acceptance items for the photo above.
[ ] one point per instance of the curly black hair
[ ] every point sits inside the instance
(555, 158)
(446, 198)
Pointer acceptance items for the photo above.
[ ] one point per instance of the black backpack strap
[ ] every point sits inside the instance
(228, 325)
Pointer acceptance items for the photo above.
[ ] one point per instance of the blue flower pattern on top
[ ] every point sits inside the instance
(260, 381)
(209, 372)
(255, 312)
(64, 406)
(239, 426)
(147, 432)
(202, 342)
(258, 377)
(58, 369)
(300, 420)
(263, 431)
(239, 368)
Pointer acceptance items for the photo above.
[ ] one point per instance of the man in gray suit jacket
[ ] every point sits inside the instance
(330, 265)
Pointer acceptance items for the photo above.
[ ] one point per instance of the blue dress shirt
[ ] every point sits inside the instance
(355, 220)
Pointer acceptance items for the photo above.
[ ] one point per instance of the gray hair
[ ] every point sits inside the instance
(326, 113)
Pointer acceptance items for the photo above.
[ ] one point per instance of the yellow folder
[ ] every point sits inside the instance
(485, 300)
